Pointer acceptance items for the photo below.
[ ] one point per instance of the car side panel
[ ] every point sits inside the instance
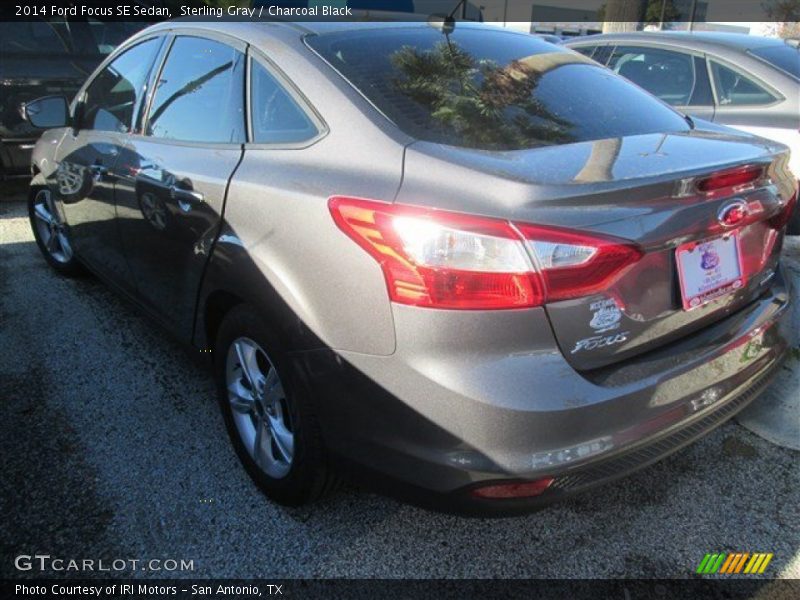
(279, 243)
(167, 237)
(279, 236)
(84, 184)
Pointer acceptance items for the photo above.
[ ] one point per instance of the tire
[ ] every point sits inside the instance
(244, 337)
(51, 233)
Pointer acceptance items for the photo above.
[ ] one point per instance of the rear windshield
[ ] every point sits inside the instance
(784, 57)
(488, 89)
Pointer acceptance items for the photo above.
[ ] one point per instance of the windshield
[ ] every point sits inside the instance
(490, 89)
(784, 57)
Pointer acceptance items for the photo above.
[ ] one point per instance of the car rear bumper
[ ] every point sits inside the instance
(536, 417)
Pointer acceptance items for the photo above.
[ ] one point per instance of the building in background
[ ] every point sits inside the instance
(582, 17)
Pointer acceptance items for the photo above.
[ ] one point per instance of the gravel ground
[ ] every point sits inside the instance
(113, 446)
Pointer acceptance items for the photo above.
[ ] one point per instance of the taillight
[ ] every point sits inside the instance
(573, 264)
(782, 218)
(730, 181)
(450, 260)
(440, 259)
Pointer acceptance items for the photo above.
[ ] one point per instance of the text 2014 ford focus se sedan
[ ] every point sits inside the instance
(475, 267)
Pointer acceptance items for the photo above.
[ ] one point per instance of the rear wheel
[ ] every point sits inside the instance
(269, 420)
(51, 233)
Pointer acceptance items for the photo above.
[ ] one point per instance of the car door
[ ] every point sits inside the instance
(678, 78)
(176, 170)
(84, 179)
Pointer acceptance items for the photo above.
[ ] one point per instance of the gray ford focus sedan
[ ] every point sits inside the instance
(461, 264)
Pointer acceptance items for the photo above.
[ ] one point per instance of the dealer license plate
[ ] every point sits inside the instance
(709, 269)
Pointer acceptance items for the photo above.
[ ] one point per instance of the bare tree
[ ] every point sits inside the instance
(785, 17)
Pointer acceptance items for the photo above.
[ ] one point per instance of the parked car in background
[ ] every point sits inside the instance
(43, 57)
(745, 81)
(411, 258)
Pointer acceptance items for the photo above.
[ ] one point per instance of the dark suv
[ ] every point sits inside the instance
(40, 58)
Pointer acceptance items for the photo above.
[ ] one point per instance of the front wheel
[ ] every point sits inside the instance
(270, 422)
(51, 233)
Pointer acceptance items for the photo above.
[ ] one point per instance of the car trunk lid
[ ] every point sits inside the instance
(638, 190)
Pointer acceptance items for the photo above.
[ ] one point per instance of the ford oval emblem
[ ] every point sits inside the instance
(733, 213)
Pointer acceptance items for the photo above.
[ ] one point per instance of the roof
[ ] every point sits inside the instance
(245, 28)
(256, 32)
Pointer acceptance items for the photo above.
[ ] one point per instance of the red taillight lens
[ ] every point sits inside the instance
(777, 222)
(442, 259)
(729, 181)
(501, 491)
(573, 264)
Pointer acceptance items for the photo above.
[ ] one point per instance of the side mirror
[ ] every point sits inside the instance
(47, 112)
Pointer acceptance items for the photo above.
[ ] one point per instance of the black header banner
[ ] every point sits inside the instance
(590, 12)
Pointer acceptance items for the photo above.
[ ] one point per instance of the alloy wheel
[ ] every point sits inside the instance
(51, 229)
(259, 407)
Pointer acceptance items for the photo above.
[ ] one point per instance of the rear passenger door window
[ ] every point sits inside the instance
(736, 89)
(277, 116)
(666, 74)
(199, 94)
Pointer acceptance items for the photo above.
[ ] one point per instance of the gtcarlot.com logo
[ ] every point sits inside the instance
(734, 563)
(45, 562)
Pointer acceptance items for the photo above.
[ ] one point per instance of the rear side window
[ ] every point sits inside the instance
(784, 57)
(666, 74)
(200, 93)
(114, 94)
(489, 89)
(585, 50)
(736, 89)
(277, 118)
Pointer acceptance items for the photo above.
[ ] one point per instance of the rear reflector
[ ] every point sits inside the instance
(499, 491)
(450, 260)
(730, 181)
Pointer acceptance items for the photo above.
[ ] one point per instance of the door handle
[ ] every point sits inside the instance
(185, 198)
(98, 171)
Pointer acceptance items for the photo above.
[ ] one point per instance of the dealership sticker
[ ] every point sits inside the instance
(606, 315)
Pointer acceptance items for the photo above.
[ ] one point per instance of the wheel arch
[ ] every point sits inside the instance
(218, 304)
(232, 279)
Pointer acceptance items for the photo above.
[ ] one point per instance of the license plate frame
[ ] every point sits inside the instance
(709, 269)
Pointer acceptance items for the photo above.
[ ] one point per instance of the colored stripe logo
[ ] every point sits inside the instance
(734, 563)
